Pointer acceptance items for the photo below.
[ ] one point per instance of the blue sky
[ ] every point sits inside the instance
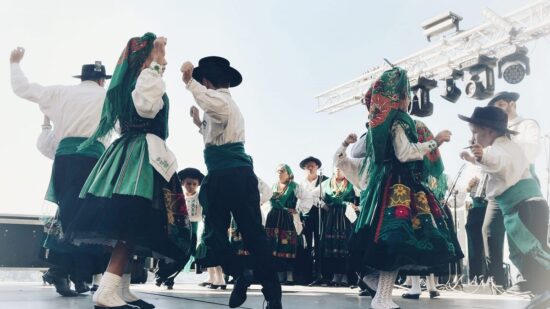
(287, 51)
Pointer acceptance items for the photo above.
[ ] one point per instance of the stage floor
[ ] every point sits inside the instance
(191, 296)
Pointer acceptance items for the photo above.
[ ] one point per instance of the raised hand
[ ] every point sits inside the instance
(443, 136)
(159, 50)
(350, 139)
(17, 54)
(187, 70)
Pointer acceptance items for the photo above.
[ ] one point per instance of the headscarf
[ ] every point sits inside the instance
(118, 102)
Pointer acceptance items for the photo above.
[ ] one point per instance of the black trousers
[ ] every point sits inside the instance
(534, 215)
(234, 191)
(70, 174)
(476, 256)
(493, 241)
(313, 243)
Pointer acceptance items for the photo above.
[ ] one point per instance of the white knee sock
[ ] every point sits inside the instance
(107, 293)
(124, 289)
(218, 276)
(211, 274)
(383, 298)
(415, 285)
(430, 283)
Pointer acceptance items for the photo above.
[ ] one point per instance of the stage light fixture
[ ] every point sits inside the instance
(440, 24)
(421, 105)
(482, 81)
(514, 67)
(452, 92)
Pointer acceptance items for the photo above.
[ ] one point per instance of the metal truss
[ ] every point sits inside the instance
(497, 37)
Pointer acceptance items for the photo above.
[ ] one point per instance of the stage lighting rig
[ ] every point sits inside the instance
(482, 81)
(420, 104)
(514, 67)
(452, 92)
(441, 23)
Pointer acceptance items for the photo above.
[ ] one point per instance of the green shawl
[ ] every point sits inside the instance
(281, 200)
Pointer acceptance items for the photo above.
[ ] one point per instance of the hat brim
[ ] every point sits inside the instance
(311, 159)
(513, 96)
(485, 124)
(104, 77)
(233, 76)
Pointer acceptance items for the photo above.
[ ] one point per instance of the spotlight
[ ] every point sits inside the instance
(422, 107)
(482, 81)
(452, 92)
(514, 67)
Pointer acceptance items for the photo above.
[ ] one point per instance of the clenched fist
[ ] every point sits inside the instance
(187, 70)
(17, 54)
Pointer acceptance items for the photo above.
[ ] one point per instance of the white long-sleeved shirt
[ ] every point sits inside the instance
(46, 143)
(311, 195)
(223, 122)
(505, 163)
(74, 110)
(405, 151)
(351, 168)
(147, 97)
(529, 137)
(359, 149)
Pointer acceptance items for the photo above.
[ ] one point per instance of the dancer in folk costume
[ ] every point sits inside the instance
(283, 224)
(231, 187)
(75, 111)
(133, 199)
(401, 225)
(339, 198)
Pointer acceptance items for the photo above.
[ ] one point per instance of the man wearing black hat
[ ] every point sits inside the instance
(231, 187)
(516, 192)
(75, 112)
(528, 138)
(311, 270)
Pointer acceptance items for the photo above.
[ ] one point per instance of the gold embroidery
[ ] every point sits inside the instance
(422, 203)
(400, 196)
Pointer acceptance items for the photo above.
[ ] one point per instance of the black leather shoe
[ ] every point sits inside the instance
(274, 304)
(365, 289)
(62, 286)
(217, 286)
(238, 295)
(81, 287)
(141, 304)
(363, 293)
(205, 284)
(117, 307)
(94, 288)
(434, 294)
(410, 296)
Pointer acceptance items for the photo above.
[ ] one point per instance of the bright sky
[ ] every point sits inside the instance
(287, 51)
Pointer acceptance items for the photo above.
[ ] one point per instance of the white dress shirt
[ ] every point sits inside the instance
(147, 97)
(309, 195)
(194, 207)
(505, 163)
(529, 137)
(223, 122)
(74, 110)
(351, 168)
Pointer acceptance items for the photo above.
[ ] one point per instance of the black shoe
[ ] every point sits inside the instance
(434, 294)
(288, 282)
(541, 301)
(317, 282)
(81, 287)
(365, 288)
(205, 284)
(141, 304)
(159, 281)
(170, 286)
(238, 295)
(274, 304)
(62, 286)
(117, 307)
(410, 296)
(363, 293)
(217, 286)
(94, 288)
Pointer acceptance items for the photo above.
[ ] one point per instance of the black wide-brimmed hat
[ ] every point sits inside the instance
(310, 159)
(490, 117)
(93, 71)
(504, 95)
(192, 173)
(217, 68)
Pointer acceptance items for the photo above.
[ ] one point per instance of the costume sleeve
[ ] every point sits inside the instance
(350, 166)
(210, 101)
(46, 141)
(492, 162)
(405, 151)
(148, 93)
(530, 140)
(44, 96)
(359, 149)
(265, 191)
